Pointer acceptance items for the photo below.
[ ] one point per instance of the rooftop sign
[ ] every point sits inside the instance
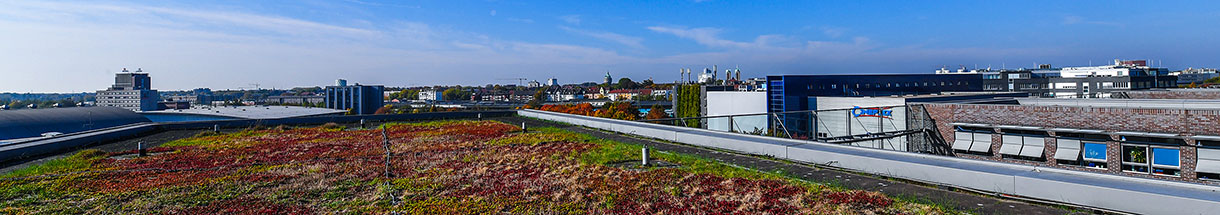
(883, 112)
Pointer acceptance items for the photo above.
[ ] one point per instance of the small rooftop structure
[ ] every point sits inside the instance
(34, 122)
(250, 112)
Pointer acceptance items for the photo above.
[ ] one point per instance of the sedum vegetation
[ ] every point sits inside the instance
(444, 167)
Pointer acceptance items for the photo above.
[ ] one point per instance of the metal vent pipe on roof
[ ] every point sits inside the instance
(644, 156)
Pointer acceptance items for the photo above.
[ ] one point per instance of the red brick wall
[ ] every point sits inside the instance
(1201, 94)
(1184, 122)
(1191, 122)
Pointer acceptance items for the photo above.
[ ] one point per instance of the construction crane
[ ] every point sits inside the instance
(520, 81)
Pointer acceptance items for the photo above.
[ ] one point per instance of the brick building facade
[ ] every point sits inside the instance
(1184, 123)
(1175, 94)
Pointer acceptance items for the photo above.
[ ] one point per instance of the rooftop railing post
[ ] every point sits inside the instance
(813, 124)
(782, 126)
(140, 148)
(731, 124)
(644, 156)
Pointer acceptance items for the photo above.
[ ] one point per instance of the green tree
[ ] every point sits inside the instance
(387, 109)
(656, 112)
(1215, 80)
(539, 97)
(626, 83)
(455, 94)
(688, 104)
(647, 83)
(409, 94)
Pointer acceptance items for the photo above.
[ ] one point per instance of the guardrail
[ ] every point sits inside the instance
(39, 147)
(335, 119)
(1087, 189)
(43, 146)
(880, 127)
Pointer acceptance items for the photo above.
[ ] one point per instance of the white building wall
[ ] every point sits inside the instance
(736, 103)
(842, 121)
(1080, 72)
(430, 95)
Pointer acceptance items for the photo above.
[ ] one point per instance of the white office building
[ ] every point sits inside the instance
(131, 90)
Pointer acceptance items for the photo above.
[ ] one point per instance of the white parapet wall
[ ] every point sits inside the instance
(1111, 192)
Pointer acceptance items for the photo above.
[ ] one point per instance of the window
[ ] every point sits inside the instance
(1068, 151)
(1207, 163)
(973, 140)
(1153, 140)
(1166, 161)
(1095, 155)
(1135, 158)
(1208, 143)
(1159, 160)
(1208, 176)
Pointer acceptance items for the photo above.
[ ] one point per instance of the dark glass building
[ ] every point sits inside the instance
(787, 93)
(1050, 83)
(794, 92)
(360, 99)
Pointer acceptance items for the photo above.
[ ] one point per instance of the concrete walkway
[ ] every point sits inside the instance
(966, 202)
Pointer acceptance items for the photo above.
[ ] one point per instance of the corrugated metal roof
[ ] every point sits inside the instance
(33, 122)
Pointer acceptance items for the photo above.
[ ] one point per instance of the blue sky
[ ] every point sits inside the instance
(68, 46)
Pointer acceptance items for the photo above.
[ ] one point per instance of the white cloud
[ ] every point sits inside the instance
(571, 19)
(521, 20)
(189, 48)
(704, 36)
(833, 32)
(710, 37)
(1074, 20)
(629, 41)
(78, 46)
(377, 4)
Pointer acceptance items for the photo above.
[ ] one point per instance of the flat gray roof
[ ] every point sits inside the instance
(1180, 90)
(34, 122)
(1193, 104)
(252, 112)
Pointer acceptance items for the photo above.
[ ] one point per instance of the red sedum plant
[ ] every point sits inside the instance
(449, 167)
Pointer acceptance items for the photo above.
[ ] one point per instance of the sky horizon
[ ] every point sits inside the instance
(78, 46)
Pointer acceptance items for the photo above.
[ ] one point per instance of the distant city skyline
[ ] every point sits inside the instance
(71, 46)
